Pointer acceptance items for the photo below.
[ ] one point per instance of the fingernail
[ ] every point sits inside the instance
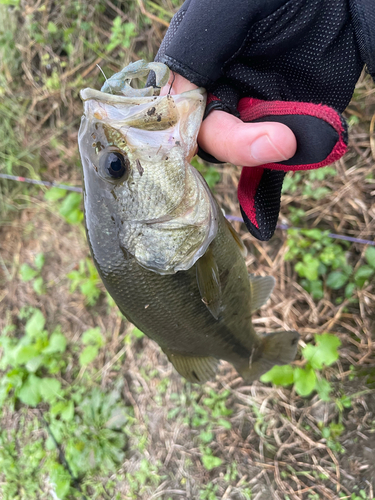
(263, 150)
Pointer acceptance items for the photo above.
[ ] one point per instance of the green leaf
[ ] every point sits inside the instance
(324, 352)
(363, 274)
(88, 354)
(38, 286)
(324, 389)
(54, 194)
(49, 389)
(315, 288)
(34, 364)
(210, 462)
(70, 208)
(93, 336)
(39, 261)
(64, 409)
(336, 280)
(51, 27)
(57, 343)
(304, 381)
(29, 393)
(27, 273)
(25, 353)
(206, 436)
(35, 324)
(315, 234)
(308, 268)
(370, 256)
(137, 333)
(349, 290)
(117, 419)
(224, 423)
(279, 375)
(212, 177)
(60, 477)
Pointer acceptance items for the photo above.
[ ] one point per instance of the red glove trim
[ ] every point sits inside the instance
(247, 188)
(251, 109)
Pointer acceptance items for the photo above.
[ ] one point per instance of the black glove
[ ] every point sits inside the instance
(295, 61)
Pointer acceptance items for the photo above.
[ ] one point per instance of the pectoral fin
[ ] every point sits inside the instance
(261, 289)
(278, 348)
(194, 369)
(209, 282)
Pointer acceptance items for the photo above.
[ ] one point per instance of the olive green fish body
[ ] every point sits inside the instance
(165, 252)
(169, 308)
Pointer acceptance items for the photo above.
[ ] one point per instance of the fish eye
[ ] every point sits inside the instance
(115, 164)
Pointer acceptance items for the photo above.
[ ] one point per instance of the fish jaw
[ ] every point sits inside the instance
(165, 214)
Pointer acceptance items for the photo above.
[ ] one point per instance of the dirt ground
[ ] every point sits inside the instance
(276, 439)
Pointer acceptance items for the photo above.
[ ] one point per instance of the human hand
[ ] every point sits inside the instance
(229, 139)
(289, 61)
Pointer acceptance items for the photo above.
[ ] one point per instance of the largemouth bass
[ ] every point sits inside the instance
(173, 264)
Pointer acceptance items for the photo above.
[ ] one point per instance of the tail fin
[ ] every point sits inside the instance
(278, 348)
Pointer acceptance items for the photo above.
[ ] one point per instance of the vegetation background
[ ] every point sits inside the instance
(89, 407)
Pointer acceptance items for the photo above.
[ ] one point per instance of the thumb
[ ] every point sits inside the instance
(229, 139)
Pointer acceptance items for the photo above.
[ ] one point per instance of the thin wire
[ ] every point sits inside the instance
(40, 183)
(331, 235)
(343, 237)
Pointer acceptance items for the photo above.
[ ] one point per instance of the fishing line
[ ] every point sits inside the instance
(170, 88)
(343, 237)
(109, 85)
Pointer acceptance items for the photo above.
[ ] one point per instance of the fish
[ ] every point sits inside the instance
(165, 252)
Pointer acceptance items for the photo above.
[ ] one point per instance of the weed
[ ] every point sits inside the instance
(28, 273)
(209, 492)
(93, 340)
(211, 175)
(121, 34)
(87, 421)
(321, 261)
(143, 478)
(331, 435)
(310, 183)
(307, 379)
(86, 278)
(27, 359)
(21, 472)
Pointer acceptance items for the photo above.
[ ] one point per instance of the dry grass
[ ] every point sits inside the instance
(275, 440)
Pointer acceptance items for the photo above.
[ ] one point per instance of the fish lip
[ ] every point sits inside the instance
(88, 93)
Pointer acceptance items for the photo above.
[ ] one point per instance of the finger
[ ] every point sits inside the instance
(228, 139)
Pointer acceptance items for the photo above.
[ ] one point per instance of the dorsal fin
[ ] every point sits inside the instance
(261, 289)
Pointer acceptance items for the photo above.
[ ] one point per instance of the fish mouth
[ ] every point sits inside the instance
(88, 93)
(97, 95)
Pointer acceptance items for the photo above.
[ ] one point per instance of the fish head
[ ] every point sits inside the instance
(135, 155)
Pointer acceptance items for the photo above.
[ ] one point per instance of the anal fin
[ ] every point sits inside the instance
(194, 369)
(208, 280)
